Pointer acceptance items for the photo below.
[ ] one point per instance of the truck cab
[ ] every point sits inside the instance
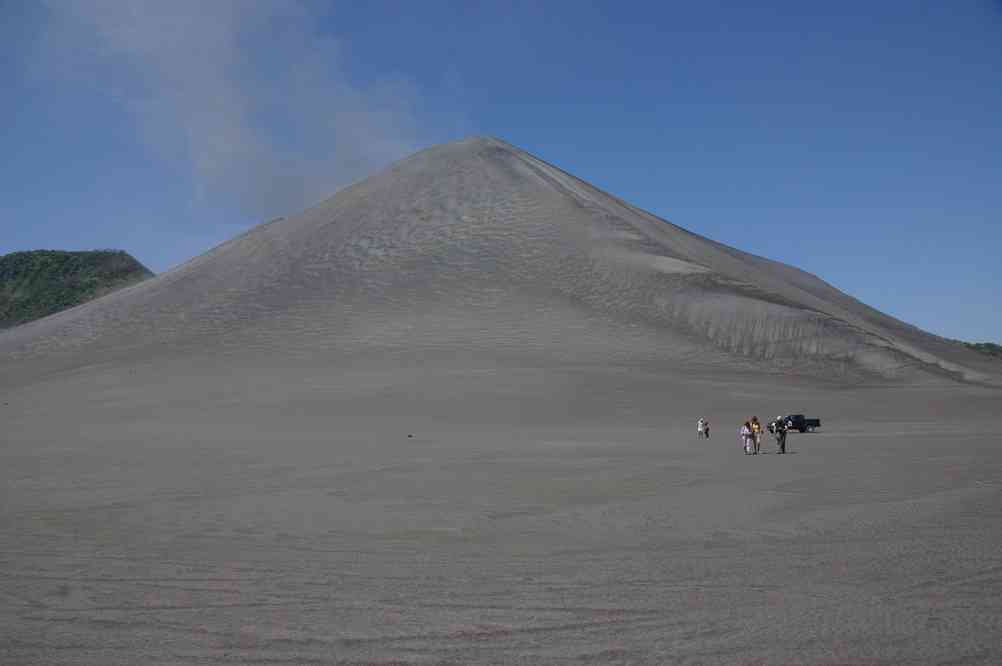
(800, 423)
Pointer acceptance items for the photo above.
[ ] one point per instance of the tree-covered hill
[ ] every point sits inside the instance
(42, 282)
(989, 348)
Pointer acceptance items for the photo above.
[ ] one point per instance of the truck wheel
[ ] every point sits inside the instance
(810, 428)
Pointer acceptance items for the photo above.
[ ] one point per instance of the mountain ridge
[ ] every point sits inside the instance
(37, 283)
(482, 246)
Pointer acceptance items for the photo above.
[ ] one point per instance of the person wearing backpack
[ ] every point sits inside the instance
(778, 428)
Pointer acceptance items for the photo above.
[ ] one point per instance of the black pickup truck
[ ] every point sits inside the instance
(798, 422)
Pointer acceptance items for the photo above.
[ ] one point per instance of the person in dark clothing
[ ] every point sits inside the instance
(778, 429)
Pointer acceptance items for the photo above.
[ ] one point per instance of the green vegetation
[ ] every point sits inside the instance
(37, 284)
(989, 348)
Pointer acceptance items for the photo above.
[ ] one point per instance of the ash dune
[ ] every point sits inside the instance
(481, 248)
(447, 417)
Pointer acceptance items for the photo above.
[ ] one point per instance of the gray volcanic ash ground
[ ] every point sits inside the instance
(448, 416)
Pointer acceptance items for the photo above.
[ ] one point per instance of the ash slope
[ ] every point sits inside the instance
(478, 248)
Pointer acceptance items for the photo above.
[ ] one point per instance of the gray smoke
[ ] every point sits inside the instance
(249, 97)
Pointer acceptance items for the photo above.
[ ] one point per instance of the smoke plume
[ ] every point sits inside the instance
(249, 98)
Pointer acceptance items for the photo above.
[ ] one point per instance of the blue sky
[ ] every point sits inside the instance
(860, 141)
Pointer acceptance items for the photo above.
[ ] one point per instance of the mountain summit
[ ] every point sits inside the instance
(476, 248)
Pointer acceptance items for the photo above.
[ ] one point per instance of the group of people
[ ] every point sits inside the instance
(751, 436)
(751, 433)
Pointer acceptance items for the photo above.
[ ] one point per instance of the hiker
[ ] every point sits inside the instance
(756, 429)
(746, 437)
(700, 427)
(778, 428)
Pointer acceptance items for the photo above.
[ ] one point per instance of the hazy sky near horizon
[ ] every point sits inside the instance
(860, 141)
